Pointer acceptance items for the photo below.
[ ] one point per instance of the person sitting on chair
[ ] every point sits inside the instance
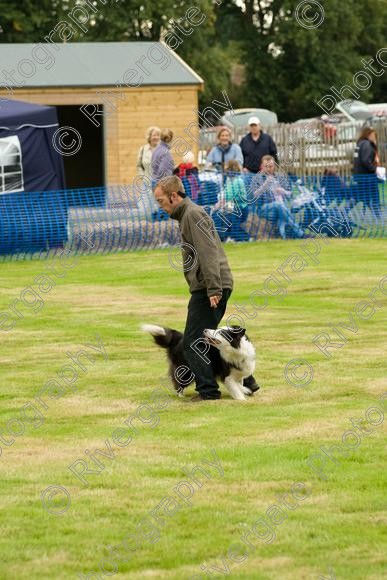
(335, 189)
(233, 205)
(270, 193)
(189, 174)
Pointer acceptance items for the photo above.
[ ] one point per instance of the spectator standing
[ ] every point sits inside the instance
(225, 150)
(162, 161)
(255, 145)
(144, 157)
(144, 169)
(366, 160)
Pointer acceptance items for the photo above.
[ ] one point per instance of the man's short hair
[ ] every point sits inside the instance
(267, 158)
(170, 184)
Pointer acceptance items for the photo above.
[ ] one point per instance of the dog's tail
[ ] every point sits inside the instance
(164, 337)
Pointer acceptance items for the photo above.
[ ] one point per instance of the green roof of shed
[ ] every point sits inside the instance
(95, 64)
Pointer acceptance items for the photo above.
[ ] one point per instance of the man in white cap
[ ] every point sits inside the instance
(255, 145)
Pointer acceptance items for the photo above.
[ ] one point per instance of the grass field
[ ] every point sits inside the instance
(258, 449)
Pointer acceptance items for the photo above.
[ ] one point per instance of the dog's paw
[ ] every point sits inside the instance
(239, 397)
(247, 391)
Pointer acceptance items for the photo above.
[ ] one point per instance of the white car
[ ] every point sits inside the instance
(238, 119)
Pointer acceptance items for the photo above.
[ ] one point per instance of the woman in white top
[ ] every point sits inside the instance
(144, 158)
(147, 203)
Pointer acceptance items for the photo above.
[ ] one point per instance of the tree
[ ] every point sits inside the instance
(289, 60)
(29, 20)
(291, 65)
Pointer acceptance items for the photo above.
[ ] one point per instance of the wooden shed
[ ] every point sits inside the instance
(109, 93)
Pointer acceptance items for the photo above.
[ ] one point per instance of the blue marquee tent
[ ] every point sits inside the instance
(31, 173)
(27, 130)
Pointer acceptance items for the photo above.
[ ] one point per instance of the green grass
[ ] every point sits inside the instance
(263, 444)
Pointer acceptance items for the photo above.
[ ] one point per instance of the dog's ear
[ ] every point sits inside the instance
(237, 330)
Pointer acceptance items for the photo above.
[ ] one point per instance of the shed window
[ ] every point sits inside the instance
(11, 169)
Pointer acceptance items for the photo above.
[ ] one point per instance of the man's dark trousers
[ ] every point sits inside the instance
(201, 316)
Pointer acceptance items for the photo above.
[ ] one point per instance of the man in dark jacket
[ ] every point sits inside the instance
(208, 275)
(255, 145)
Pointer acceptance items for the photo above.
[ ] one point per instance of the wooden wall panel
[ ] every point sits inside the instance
(129, 117)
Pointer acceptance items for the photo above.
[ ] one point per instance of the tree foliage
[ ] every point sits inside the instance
(288, 66)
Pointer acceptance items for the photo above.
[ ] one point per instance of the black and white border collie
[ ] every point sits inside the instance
(235, 360)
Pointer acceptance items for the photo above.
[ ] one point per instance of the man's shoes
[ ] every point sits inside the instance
(251, 384)
(198, 397)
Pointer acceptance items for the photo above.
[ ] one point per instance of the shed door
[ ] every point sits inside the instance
(85, 167)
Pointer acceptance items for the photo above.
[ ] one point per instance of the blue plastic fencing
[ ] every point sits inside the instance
(244, 207)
